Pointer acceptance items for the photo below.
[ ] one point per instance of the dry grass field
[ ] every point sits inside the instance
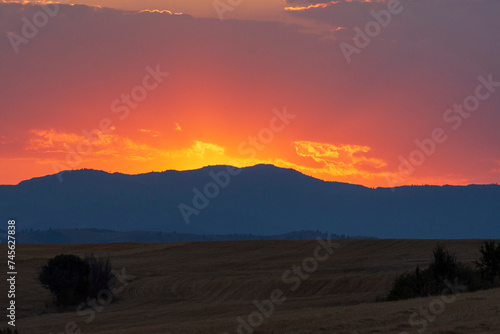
(203, 287)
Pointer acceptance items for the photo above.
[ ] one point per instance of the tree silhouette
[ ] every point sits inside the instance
(489, 262)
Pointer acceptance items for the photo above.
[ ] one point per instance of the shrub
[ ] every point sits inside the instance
(443, 268)
(67, 278)
(444, 264)
(100, 277)
(71, 280)
(8, 331)
(489, 262)
(405, 287)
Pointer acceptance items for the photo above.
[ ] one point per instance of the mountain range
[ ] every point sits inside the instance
(259, 200)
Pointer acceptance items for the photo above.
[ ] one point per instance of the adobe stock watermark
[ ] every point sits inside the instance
(92, 305)
(436, 307)
(120, 106)
(222, 6)
(248, 148)
(31, 26)
(372, 29)
(293, 278)
(453, 117)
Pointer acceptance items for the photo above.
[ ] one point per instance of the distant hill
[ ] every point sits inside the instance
(260, 200)
(96, 236)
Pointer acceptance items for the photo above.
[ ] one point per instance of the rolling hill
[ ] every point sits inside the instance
(205, 287)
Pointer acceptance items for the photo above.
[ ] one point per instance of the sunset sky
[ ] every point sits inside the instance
(137, 86)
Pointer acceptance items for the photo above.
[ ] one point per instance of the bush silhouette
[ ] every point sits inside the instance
(489, 262)
(8, 331)
(444, 264)
(72, 280)
(100, 277)
(443, 270)
(405, 286)
(67, 278)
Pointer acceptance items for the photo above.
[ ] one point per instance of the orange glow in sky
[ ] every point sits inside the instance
(134, 87)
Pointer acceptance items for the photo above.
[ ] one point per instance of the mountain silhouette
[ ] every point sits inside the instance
(261, 200)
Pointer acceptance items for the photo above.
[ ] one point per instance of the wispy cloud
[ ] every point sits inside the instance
(159, 11)
(299, 8)
(496, 170)
(152, 133)
(339, 159)
(112, 146)
(50, 140)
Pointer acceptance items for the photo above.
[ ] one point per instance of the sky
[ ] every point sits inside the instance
(377, 93)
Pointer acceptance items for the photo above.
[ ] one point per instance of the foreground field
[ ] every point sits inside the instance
(201, 287)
